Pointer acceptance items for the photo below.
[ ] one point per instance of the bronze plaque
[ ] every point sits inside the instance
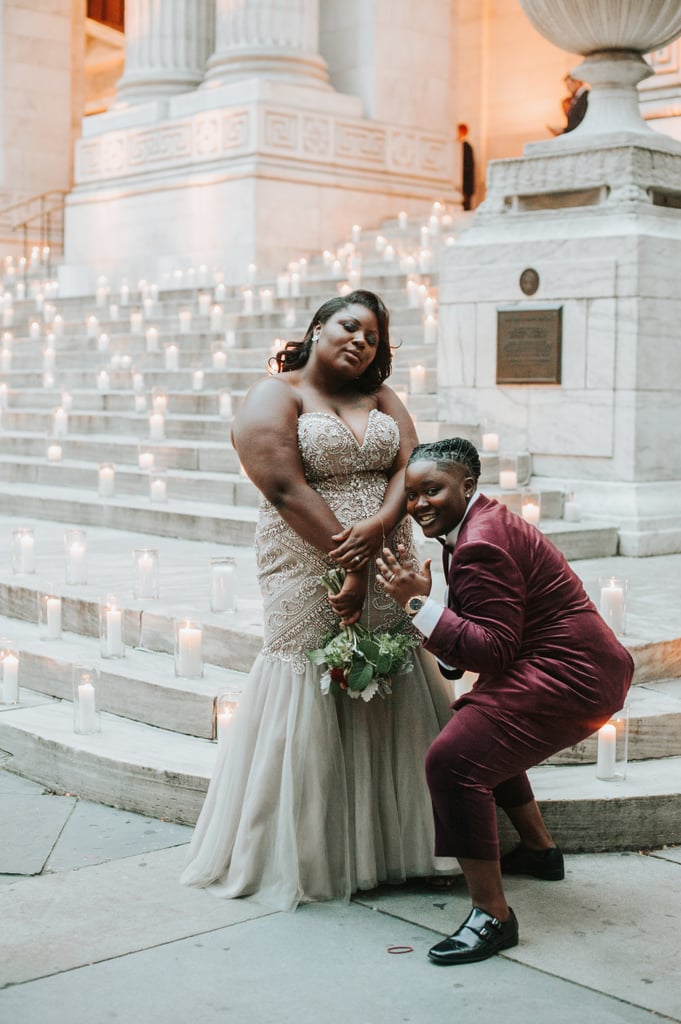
(529, 346)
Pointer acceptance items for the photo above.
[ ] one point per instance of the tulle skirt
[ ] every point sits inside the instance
(315, 797)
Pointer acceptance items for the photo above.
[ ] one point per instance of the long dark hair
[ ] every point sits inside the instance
(296, 353)
(446, 451)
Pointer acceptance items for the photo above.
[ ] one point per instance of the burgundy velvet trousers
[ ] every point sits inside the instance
(476, 763)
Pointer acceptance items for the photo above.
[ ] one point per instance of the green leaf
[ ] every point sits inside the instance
(360, 676)
(317, 657)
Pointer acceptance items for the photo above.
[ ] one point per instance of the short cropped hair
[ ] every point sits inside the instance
(451, 449)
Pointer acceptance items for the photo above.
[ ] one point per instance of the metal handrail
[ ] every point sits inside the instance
(49, 203)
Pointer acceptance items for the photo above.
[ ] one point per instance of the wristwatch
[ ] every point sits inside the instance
(414, 605)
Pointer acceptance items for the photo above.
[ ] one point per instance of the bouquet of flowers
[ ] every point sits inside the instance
(358, 660)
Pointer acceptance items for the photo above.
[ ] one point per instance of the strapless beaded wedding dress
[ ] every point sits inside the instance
(314, 797)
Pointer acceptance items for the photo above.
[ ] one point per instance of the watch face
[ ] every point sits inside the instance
(415, 604)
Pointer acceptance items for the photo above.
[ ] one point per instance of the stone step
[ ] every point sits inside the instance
(233, 489)
(141, 686)
(203, 456)
(150, 771)
(221, 523)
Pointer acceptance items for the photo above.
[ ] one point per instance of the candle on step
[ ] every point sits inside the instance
(114, 633)
(103, 380)
(136, 323)
(402, 219)
(508, 479)
(247, 297)
(172, 354)
(389, 254)
(60, 422)
(356, 234)
(87, 714)
(145, 562)
(222, 584)
(54, 453)
(266, 300)
(530, 511)
(106, 477)
(10, 678)
(157, 429)
(145, 459)
(185, 317)
(607, 751)
(158, 489)
(225, 405)
(151, 337)
(76, 556)
(490, 442)
(216, 318)
(219, 359)
(189, 662)
(53, 618)
(430, 330)
(23, 551)
(197, 380)
(417, 379)
(6, 360)
(613, 603)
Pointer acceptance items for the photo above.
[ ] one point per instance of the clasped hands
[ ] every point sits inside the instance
(399, 581)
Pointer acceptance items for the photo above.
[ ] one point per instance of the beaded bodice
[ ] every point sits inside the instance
(352, 478)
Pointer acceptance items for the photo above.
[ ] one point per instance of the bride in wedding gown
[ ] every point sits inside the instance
(315, 796)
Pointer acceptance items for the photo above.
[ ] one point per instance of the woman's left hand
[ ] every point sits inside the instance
(403, 581)
(356, 544)
(348, 603)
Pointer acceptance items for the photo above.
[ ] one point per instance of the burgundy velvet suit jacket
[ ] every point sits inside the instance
(520, 616)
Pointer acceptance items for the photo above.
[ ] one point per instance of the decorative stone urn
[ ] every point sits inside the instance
(612, 35)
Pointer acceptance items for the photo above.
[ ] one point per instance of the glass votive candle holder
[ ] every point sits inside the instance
(530, 507)
(223, 584)
(85, 684)
(23, 551)
(9, 672)
(508, 472)
(53, 450)
(106, 480)
(226, 704)
(225, 404)
(60, 422)
(75, 556)
(171, 357)
(613, 602)
(218, 356)
(140, 403)
(490, 438)
(572, 512)
(49, 613)
(613, 747)
(188, 649)
(157, 426)
(145, 572)
(197, 379)
(158, 486)
(145, 457)
(159, 400)
(111, 627)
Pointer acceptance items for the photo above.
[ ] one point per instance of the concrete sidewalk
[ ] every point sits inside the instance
(95, 929)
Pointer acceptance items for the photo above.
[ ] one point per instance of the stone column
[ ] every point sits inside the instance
(267, 38)
(167, 44)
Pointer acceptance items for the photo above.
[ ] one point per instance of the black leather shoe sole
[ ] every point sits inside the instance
(547, 865)
(479, 937)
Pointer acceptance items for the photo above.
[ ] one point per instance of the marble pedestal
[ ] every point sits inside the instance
(602, 229)
(255, 171)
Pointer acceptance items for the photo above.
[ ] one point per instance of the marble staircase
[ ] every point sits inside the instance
(158, 731)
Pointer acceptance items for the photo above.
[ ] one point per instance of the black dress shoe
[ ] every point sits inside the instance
(479, 937)
(545, 864)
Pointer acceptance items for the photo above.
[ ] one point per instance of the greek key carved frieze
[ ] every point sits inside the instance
(281, 130)
(235, 128)
(162, 145)
(363, 143)
(316, 136)
(207, 136)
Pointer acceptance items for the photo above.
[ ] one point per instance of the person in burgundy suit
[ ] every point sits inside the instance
(551, 672)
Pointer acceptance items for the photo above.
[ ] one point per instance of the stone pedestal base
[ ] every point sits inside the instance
(252, 172)
(602, 232)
